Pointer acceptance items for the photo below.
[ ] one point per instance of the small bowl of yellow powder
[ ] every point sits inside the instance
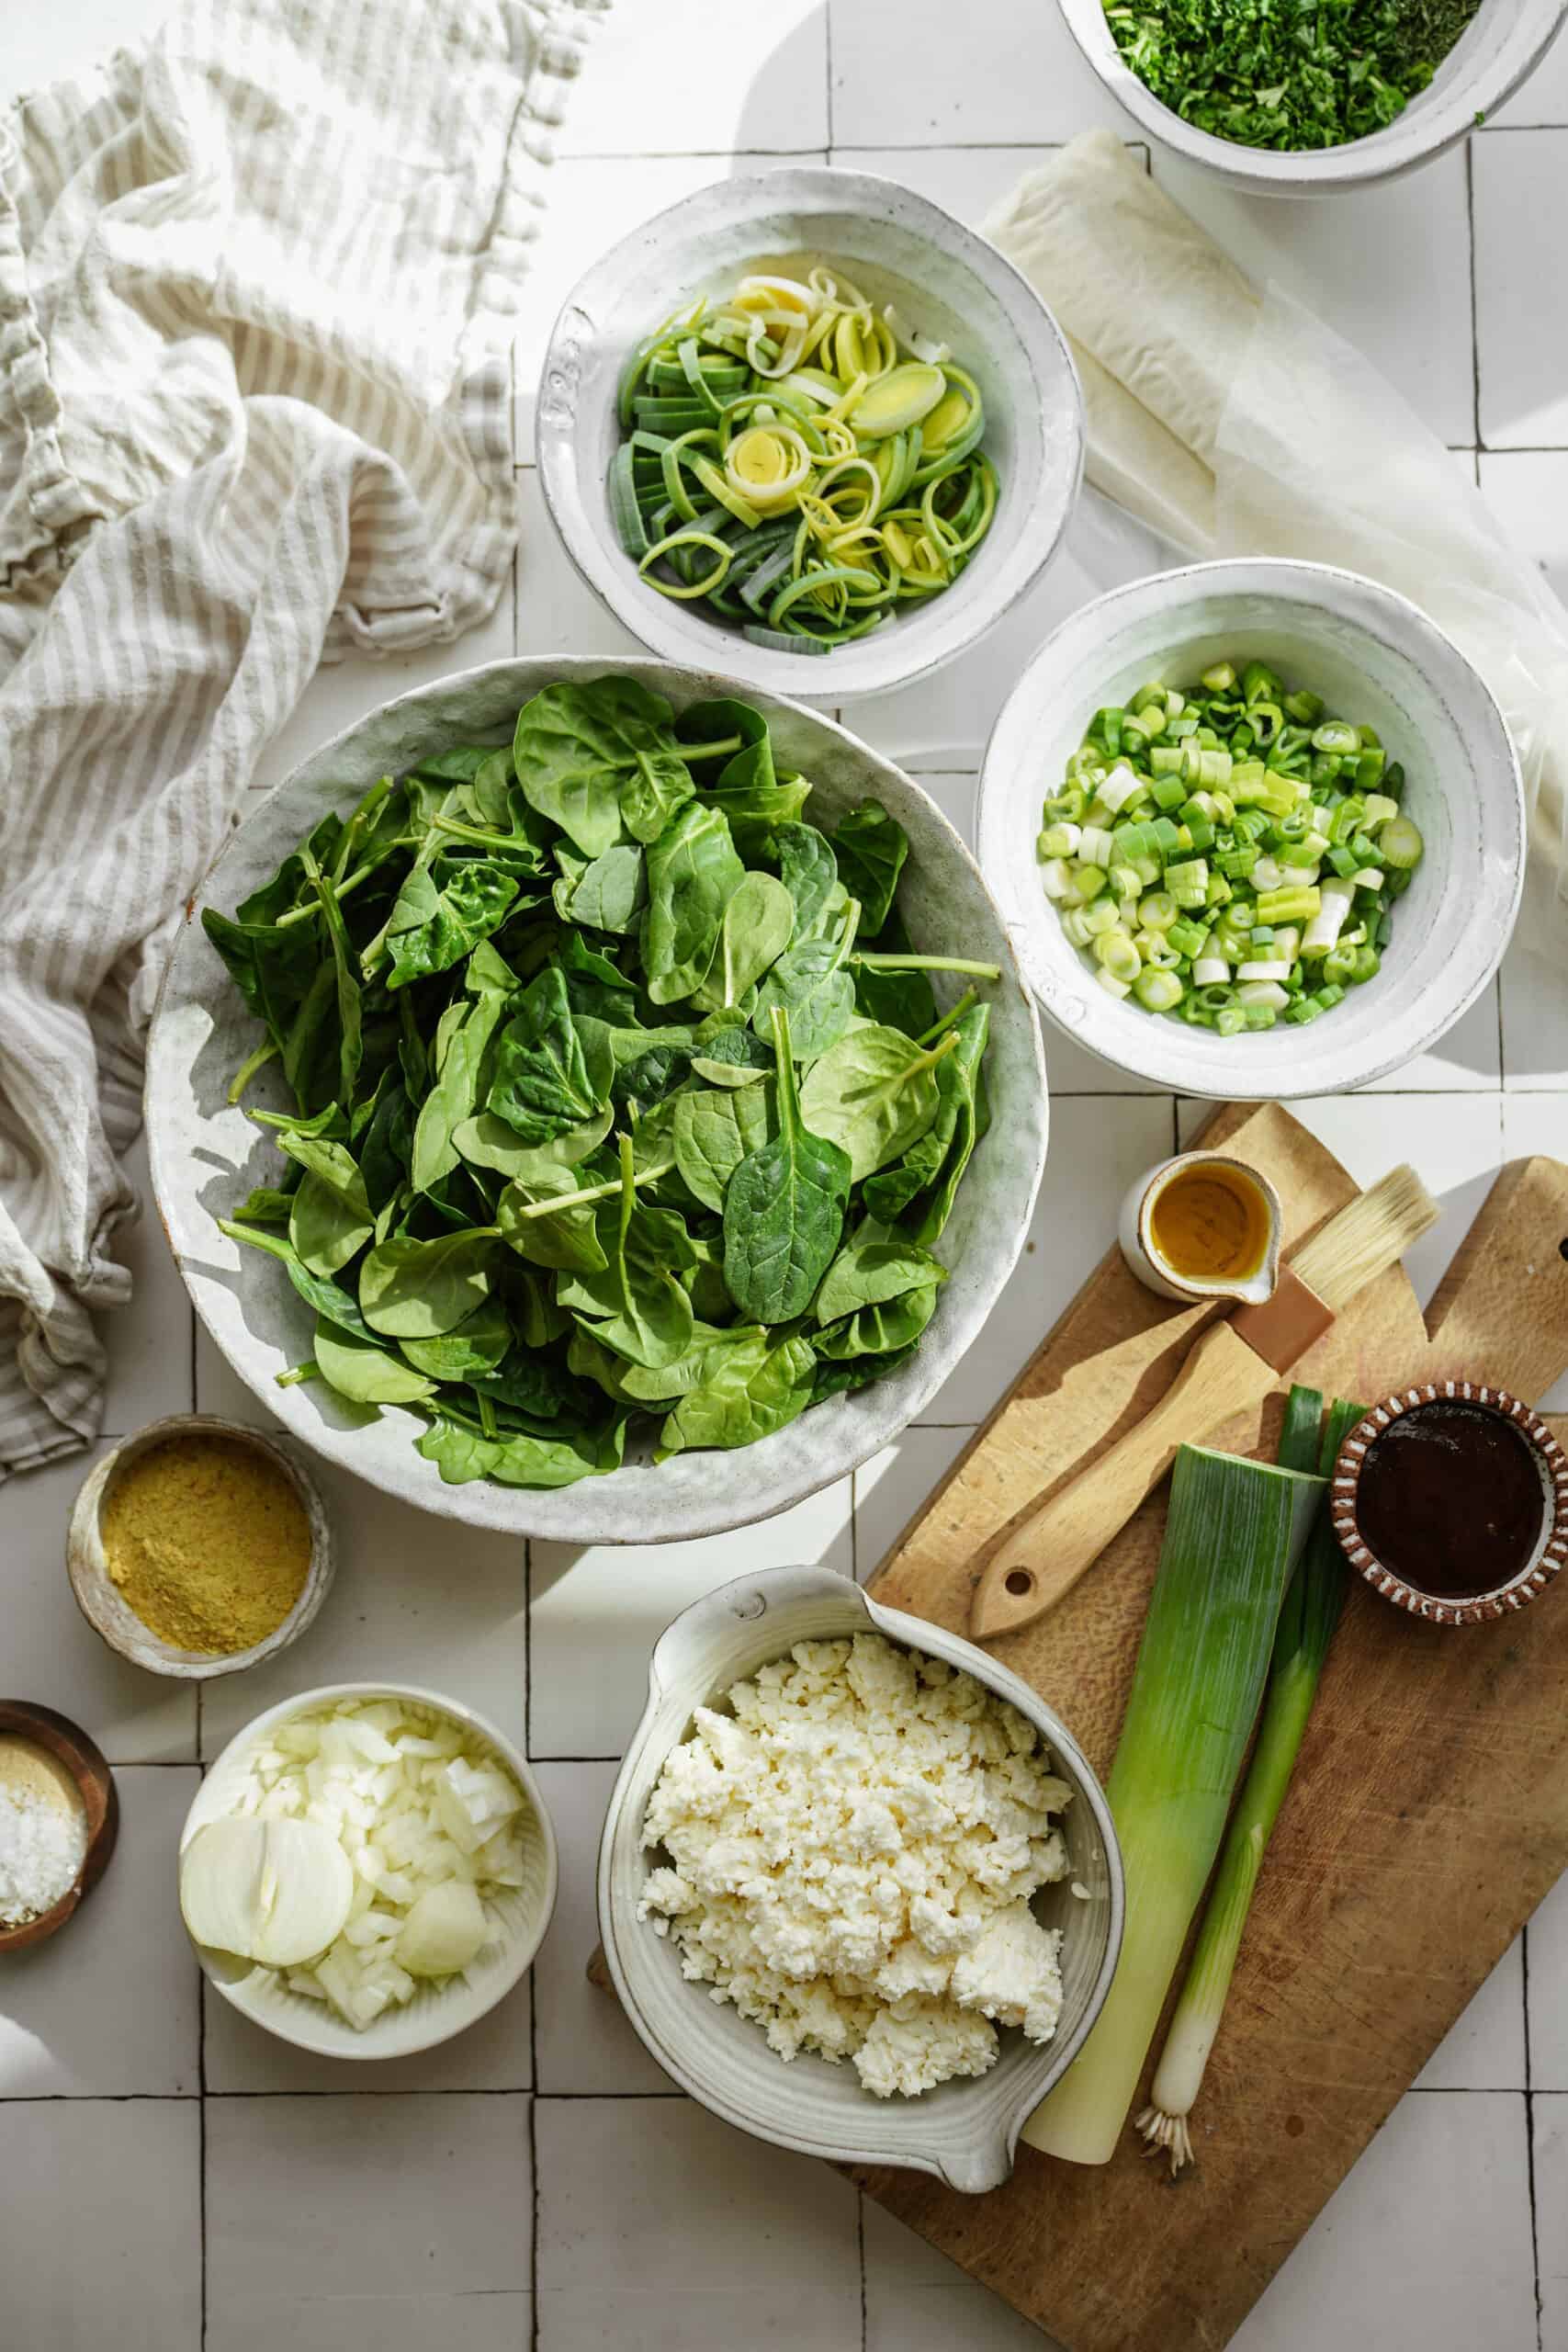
(198, 1547)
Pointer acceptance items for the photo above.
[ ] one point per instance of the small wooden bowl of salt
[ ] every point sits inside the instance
(198, 1547)
(59, 1820)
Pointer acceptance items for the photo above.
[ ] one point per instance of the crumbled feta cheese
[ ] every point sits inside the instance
(851, 1853)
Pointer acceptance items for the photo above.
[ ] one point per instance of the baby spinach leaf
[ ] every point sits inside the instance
(363, 1371)
(877, 1263)
(453, 1097)
(488, 1142)
(594, 757)
(639, 1386)
(594, 984)
(965, 1092)
(268, 1205)
(328, 1298)
(784, 1206)
(809, 872)
(878, 1330)
(897, 999)
(351, 1046)
(542, 1086)
(733, 1058)
(692, 873)
(871, 847)
(311, 1057)
(715, 1128)
(874, 1094)
(529, 1384)
(462, 1455)
(752, 1388)
(568, 1239)
(386, 1146)
(590, 1361)
(537, 1316)
(720, 721)
(475, 1346)
(442, 911)
(416, 1290)
(858, 1372)
(649, 1064)
(325, 1231)
(606, 893)
(638, 1307)
(758, 920)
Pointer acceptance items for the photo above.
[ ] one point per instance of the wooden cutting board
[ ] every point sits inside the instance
(1428, 1817)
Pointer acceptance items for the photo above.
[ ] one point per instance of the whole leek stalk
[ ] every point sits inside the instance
(1307, 1623)
(1233, 1535)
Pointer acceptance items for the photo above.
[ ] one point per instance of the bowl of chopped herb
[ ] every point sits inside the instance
(1303, 102)
(808, 414)
(1256, 828)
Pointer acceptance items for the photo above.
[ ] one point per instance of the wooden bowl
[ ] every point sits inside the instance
(82, 1757)
(1547, 1555)
(110, 1614)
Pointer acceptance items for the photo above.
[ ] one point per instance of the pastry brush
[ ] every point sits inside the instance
(1231, 1366)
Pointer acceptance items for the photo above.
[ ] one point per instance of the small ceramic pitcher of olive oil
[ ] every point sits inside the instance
(1203, 1227)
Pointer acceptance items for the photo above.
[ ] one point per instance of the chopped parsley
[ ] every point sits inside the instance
(1287, 74)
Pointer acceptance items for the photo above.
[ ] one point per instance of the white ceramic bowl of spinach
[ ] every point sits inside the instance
(209, 1154)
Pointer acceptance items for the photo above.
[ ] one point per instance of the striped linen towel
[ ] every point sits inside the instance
(257, 287)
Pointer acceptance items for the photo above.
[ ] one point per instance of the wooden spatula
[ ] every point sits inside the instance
(1234, 1365)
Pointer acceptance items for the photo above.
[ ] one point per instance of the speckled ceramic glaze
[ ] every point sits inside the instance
(437, 2009)
(207, 1155)
(897, 247)
(1504, 44)
(1552, 1464)
(106, 1607)
(964, 2131)
(1377, 659)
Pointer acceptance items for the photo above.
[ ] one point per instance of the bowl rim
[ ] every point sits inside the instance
(1290, 582)
(1527, 1583)
(1427, 128)
(875, 664)
(871, 1430)
(406, 2044)
(92, 1588)
(746, 1597)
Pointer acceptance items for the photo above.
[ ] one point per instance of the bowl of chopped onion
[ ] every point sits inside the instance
(1285, 103)
(1256, 828)
(367, 1870)
(808, 414)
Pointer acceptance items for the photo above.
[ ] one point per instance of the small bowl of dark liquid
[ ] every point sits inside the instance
(1452, 1500)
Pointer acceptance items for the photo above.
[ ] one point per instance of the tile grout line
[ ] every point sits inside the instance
(1474, 311)
(534, 1981)
(1530, 2128)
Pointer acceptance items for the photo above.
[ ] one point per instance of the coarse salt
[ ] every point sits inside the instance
(43, 1844)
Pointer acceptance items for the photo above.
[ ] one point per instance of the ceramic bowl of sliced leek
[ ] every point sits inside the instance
(870, 307)
(367, 1870)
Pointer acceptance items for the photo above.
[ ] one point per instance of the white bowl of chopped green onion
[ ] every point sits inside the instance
(1256, 828)
(1286, 103)
(810, 427)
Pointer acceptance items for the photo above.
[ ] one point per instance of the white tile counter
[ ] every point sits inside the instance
(171, 2179)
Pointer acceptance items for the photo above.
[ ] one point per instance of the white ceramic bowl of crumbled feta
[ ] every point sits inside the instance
(964, 2129)
(517, 1915)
